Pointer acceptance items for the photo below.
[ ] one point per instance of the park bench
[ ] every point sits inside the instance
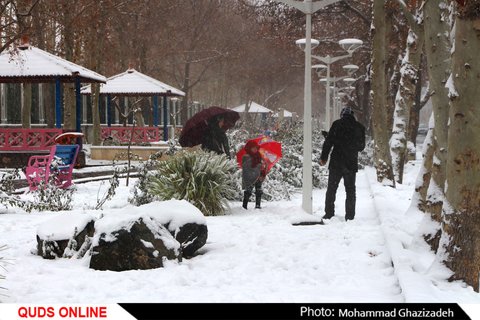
(59, 163)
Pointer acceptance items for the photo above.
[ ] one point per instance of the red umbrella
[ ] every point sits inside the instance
(270, 151)
(195, 127)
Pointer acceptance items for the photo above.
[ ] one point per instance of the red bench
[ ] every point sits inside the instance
(59, 162)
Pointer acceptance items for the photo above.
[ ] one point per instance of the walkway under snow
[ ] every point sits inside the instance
(254, 256)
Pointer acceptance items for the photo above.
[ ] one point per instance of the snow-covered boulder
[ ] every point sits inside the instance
(65, 235)
(191, 236)
(143, 237)
(141, 243)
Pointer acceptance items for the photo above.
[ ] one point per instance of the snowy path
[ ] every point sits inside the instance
(250, 256)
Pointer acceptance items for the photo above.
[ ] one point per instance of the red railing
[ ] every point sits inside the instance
(19, 139)
(140, 134)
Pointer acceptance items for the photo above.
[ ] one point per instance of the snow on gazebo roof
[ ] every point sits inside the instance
(31, 64)
(254, 108)
(134, 83)
(286, 114)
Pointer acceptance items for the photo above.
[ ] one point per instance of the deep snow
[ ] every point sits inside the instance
(253, 256)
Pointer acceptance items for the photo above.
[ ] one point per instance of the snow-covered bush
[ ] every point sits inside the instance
(48, 197)
(113, 182)
(7, 187)
(292, 161)
(7, 181)
(141, 195)
(285, 177)
(202, 178)
(365, 158)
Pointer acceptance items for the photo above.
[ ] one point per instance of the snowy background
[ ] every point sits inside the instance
(252, 256)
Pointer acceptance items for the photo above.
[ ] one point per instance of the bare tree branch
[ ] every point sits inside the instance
(360, 14)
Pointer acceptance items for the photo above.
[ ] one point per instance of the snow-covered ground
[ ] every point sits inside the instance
(252, 256)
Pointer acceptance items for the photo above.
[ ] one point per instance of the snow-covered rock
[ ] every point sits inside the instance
(140, 244)
(64, 235)
(142, 237)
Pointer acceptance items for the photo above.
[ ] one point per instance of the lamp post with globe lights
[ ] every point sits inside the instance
(331, 82)
(349, 45)
(308, 7)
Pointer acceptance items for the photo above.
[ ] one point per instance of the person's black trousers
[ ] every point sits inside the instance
(334, 177)
(258, 188)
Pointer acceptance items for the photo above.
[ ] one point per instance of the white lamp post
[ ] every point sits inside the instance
(349, 45)
(308, 7)
(320, 68)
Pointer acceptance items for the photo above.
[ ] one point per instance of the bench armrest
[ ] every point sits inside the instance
(38, 161)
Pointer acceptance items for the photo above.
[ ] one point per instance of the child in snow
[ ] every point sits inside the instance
(253, 173)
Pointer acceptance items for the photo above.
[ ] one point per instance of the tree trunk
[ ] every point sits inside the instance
(186, 89)
(461, 210)
(383, 162)
(26, 105)
(48, 100)
(97, 140)
(425, 173)
(437, 48)
(415, 114)
(69, 88)
(405, 99)
(138, 115)
(413, 132)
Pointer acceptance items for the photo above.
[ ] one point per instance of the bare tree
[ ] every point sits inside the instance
(383, 161)
(461, 209)
(16, 20)
(405, 97)
(437, 47)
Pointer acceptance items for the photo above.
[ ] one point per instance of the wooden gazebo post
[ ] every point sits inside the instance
(165, 117)
(155, 111)
(58, 103)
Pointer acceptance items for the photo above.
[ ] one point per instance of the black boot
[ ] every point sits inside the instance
(246, 198)
(258, 200)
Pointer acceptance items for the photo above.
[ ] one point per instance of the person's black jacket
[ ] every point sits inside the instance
(216, 140)
(347, 137)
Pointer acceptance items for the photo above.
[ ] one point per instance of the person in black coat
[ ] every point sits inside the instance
(347, 138)
(216, 139)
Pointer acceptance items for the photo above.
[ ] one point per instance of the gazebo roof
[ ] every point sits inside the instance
(254, 108)
(134, 83)
(31, 64)
(286, 114)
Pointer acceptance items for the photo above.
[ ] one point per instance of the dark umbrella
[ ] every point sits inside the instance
(196, 126)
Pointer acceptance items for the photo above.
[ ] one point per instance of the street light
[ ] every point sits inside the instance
(320, 68)
(301, 43)
(308, 7)
(349, 45)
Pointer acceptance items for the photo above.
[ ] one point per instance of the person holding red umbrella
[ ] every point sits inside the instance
(254, 170)
(257, 157)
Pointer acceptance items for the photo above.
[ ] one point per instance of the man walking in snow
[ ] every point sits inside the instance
(347, 137)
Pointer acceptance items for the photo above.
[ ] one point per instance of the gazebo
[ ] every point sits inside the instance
(283, 113)
(255, 110)
(132, 83)
(28, 64)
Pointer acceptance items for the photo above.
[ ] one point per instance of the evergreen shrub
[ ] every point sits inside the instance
(202, 178)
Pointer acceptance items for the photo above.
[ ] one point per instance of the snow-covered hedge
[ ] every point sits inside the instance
(285, 177)
(365, 158)
(48, 197)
